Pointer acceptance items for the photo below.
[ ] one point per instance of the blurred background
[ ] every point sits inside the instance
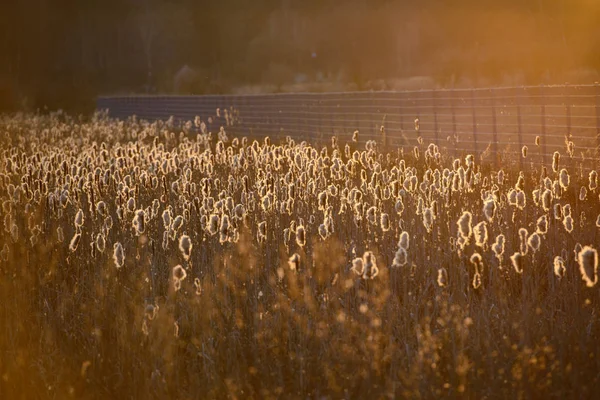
(64, 53)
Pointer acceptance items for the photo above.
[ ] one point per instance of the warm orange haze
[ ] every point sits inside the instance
(63, 53)
(299, 200)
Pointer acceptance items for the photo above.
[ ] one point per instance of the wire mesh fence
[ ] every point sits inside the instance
(493, 122)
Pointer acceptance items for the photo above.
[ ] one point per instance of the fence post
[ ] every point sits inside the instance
(401, 109)
(568, 113)
(474, 122)
(543, 122)
(372, 115)
(597, 85)
(494, 126)
(453, 112)
(519, 128)
(435, 119)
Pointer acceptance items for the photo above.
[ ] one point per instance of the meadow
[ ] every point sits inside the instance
(146, 260)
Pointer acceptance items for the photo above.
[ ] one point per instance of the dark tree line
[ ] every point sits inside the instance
(63, 53)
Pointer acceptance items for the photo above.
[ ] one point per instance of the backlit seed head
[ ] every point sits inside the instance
(370, 270)
(559, 267)
(300, 236)
(166, 217)
(262, 231)
(400, 258)
(555, 161)
(464, 225)
(138, 224)
(517, 262)
(546, 199)
(498, 247)
(118, 255)
(537, 140)
(185, 246)
(476, 280)
(476, 260)
(481, 234)
(557, 211)
(534, 242)
(523, 240)
(371, 215)
(582, 193)
(75, 242)
(593, 178)
(568, 223)
(213, 226)
(524, 151)
(564, 179)
(404, 241)
(294, 262)
(542, 225)
(500, 177)
(101, 208)
(79, 219)
(239, 211)
(587, 259)
(178, 275)
(224, 228)
(489, 209)
(131, 204)
(100, 243)
(357, 266)
(428, 219)
(442, 278)
(521, 200)
(384, 222)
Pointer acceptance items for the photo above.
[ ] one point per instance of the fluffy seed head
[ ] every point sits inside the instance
(564, 179)
(118, 255)
(593, 178)
(481, 234)
(178, 275)
(79, 218)
(100, 243)
(559, 267)
(498, 247)
(213, 225)
(75, 241)
(404, 241)
(517, 262)
(489, 209)
(542, 225)
(523, 240)
(582, 193)
(587, 259)
(534, 242)
(442, 278)
(555, 161)
(464, 225)
(400, 258)
(568, 223)
(294, 262)
(300, 236)
(384, 221)
(370, 270)
(185, 246)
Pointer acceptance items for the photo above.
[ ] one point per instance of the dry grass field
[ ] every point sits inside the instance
(139, 261)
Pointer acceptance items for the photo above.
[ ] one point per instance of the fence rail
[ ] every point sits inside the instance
(496, 121)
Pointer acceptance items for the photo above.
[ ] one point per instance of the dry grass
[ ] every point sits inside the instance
(228, 268)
